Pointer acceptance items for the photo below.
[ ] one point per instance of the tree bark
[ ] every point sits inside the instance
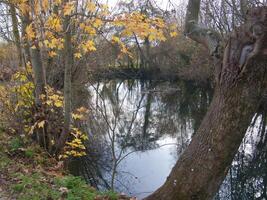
(16, 34)
(38, 71)
(241, 80)
(68, 59)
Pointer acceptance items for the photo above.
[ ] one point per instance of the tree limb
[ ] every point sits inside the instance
(207, 37)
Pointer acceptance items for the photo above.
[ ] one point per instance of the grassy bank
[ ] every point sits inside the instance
(27, 172)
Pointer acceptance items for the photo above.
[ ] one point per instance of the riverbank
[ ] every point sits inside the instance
(27, 172)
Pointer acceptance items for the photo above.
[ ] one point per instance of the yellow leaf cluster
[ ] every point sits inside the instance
(142, 26)
(88, 46)
(91, 6)
(77, 55)
(80, 113)
(52, 98)
(68, 8)
(23, 6)
(75, 147)
(123, 47)
(88, 29)
(17, 99)
(54, 23)
(45, 5)
(97, 23)
(30, 33)
(41, 124)
(54, 43)
(173, 30)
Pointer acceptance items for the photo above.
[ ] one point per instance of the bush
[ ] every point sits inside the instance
(20, 116)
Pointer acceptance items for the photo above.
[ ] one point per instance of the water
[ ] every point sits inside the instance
(138, 130)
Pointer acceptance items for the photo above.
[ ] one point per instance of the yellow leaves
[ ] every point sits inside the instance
(115, 39)
(57, 2)
(173, 30)
(173, 34)
(53, 98)
(41, 124)
(104, 10)
(45, 5)
(137, 24)
(82, 110)
(78, 55)
(123, 47)
(54, 23)
(89, 29)
(88, 46)
(68, 8)
(30, 33)
(75, 147)
(91, 6)
(52, 54)
(24, 7)
(97, 23)
(77, 116)
(58, 103)
(80, 113)
(54, 43)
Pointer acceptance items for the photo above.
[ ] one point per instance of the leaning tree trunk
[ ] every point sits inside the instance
(240, 83)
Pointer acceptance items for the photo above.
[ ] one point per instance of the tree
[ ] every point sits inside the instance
(241, 82)
(60, 33)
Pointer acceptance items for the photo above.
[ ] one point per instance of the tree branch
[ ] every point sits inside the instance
(207, 37)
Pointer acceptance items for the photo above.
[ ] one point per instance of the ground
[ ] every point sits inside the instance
(27, 172)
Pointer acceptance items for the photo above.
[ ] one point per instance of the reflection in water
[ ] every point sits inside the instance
(138, 130)
(247, 178)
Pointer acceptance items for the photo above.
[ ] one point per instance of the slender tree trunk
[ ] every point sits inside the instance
(38, 71)
(25, 21)
(241, 78)
(16, 32)
(68, 60)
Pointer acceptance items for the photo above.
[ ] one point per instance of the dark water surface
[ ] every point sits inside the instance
(138, 130)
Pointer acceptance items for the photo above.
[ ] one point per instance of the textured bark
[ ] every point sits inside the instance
(241, 81)
(38, 71)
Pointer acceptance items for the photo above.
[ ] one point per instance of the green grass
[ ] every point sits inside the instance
(15, 144)
(35, 187)
(77, 188)
(26, 182)
(4, 161)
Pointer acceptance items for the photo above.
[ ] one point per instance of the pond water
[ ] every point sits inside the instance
(138, 130)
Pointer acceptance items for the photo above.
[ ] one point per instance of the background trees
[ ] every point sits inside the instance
(55, 37)
(57, 40)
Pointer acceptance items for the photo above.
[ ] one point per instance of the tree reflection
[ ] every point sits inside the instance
(131, 116)
(247, 178)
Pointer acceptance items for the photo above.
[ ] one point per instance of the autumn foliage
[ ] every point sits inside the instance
(62, 33)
